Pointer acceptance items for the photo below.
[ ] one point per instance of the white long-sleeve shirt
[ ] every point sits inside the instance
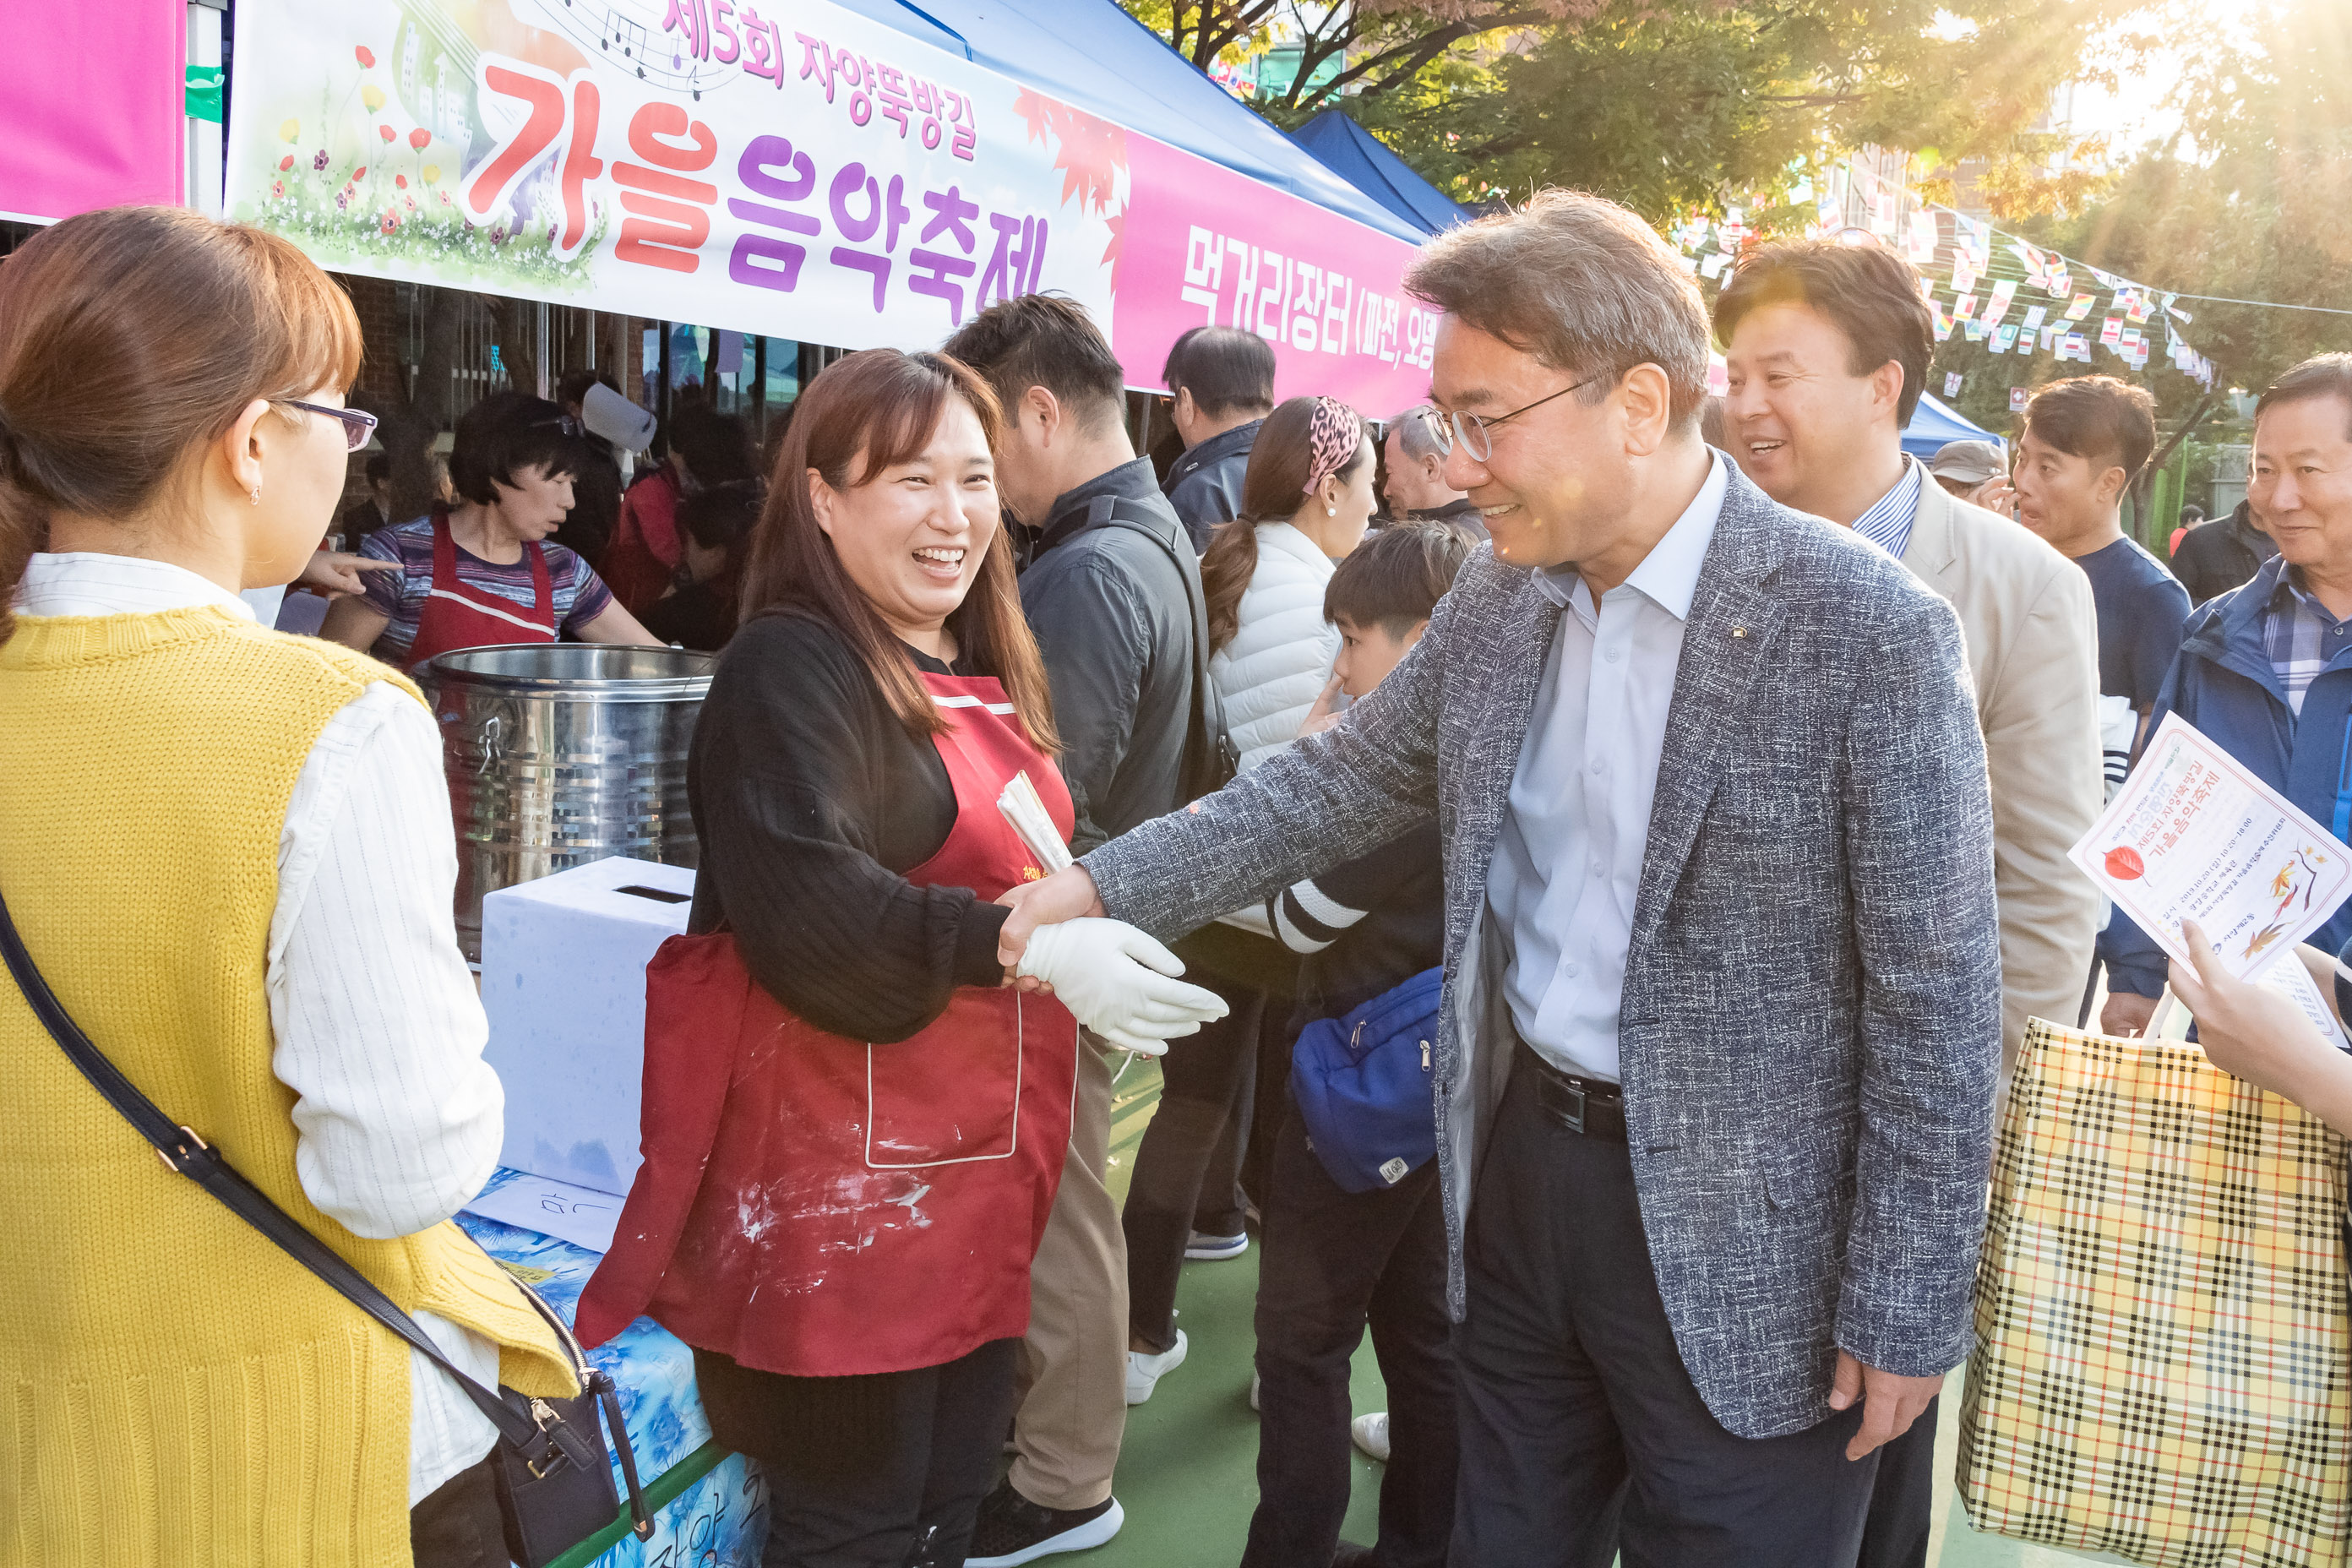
(378, 1029)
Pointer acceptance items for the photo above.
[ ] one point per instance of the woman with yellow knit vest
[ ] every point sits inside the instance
(229, 852)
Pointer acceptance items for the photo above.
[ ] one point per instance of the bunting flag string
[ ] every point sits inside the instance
(1974, 275)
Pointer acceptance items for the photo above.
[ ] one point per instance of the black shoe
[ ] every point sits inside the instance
(1011, 1529)
(1351, 1555)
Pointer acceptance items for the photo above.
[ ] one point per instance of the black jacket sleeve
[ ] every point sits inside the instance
(795, 764)
(1096, 640)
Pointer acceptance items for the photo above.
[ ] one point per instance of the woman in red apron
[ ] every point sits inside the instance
(854, 1123)
(465, 568)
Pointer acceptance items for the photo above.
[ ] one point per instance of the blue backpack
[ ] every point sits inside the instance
(1364, 1086)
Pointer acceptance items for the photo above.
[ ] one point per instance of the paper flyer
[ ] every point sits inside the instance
(2034, 316)
(2293, 982)
(2192, 832)
(2081, 307)
(554, 1209)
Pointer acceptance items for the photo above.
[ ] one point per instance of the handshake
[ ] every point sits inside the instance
(1118, 982)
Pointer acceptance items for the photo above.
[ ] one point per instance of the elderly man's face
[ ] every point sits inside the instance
(2301, 485)
(1553, 485)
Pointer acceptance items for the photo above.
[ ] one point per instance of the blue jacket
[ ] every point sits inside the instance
(2224, 684)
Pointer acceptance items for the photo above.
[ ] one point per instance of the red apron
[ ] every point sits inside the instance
(458, 614)
(815, 1205)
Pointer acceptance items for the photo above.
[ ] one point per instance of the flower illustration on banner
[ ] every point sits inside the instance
(420, 139)
(366, 57)
(1090, 153)
(372, 96)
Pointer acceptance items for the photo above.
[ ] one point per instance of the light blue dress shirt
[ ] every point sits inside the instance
(1569, 859)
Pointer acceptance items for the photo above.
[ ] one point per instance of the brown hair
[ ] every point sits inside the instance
(1395, 579)
(1274, 488)
(131, 336)
(1866, 291)
(865, 413)
(2097, 417)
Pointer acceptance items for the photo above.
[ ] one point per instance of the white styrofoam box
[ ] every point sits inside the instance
(563, 981)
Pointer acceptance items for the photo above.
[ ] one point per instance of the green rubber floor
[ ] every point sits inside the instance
(1188, 1473)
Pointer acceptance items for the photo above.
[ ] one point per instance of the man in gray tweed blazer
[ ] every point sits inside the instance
(1715, 1077)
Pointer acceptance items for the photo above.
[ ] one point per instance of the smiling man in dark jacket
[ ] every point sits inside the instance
(1111, 606)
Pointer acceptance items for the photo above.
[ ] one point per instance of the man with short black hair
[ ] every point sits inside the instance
(2221, 553)
(1221, 388)
(2265, 670)
(1111, 608)
(1415, 486)
(1827, 348)
(1715, 1066)
(2085, 439)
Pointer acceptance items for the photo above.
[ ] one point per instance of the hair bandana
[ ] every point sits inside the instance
(1333, 437)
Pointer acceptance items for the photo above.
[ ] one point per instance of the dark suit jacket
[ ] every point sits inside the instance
(1810, 1024)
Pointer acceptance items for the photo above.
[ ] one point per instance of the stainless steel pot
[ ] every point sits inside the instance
(560, 754)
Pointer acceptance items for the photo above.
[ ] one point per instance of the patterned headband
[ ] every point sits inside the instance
(1332, 438)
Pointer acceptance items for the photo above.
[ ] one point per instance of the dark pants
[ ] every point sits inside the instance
(1334, 1260)
(1896, 1533)
(1205, 1090)
(1570, 1384)
(460, 1526)
(869, 1471)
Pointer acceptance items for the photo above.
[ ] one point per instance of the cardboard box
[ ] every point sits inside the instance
(563, 982)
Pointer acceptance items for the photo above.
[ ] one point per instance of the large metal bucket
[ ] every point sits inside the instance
(560, 754)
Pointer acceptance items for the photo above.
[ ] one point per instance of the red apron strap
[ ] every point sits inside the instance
(542, 586)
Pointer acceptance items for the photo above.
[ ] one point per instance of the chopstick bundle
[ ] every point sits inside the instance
(1027, 812)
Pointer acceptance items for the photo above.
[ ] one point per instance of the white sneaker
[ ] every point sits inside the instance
(1209, 1248)
(1372, 1435)
(1144, 1371)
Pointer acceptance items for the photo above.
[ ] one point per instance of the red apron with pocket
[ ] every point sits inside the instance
(459, 616)
(815, 1205)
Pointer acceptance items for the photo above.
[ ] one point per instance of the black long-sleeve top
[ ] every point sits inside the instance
(812, 801)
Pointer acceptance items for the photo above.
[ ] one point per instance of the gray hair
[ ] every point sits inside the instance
(1580, 283)
(1417, 433)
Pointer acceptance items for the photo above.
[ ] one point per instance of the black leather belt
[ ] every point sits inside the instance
(1594, 1107)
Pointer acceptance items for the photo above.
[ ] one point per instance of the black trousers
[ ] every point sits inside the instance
(1896, 1533)
(1334, 1261)
(460, 1526)
(867, 1469)
(1205, 1081)
(1571, 1384)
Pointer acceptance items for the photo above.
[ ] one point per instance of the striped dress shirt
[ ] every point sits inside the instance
(1887, 523)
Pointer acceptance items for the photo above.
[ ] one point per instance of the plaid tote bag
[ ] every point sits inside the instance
(2164, 1360)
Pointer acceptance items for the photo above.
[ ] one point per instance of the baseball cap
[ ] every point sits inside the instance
(1969, 462)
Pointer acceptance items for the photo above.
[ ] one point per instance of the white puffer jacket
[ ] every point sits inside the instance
(1277, 663)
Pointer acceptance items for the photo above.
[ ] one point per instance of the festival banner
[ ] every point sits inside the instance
(807, 174)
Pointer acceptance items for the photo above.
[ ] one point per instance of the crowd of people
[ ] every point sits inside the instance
(1665, 836)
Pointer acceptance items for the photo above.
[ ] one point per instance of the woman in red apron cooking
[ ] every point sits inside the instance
(481, 572)
(853, 1120)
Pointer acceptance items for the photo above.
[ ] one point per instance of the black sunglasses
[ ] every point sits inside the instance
(358, 425)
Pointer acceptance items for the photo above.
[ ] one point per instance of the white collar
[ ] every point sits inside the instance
(87, 583)
(1291, 540)
(1669, 575)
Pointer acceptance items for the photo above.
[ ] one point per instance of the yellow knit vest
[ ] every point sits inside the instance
(174, 1390)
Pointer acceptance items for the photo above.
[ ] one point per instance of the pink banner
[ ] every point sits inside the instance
(1201, 244)
(91, 107)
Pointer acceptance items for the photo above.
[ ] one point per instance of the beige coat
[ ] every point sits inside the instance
(2033, 647)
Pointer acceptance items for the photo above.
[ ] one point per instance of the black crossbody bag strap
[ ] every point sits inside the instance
(183, 1152)
(1217, 761)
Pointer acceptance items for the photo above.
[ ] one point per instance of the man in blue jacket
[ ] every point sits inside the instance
(2265, 670)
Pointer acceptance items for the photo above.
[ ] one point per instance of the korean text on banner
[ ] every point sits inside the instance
(2193, 834)
(809, 173)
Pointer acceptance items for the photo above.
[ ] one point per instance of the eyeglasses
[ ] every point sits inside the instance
(358, 426)
(1471, 429)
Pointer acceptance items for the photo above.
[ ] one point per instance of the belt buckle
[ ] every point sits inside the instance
(1570, 1102)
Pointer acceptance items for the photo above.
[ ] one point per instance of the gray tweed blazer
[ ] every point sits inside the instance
(1810, 1031)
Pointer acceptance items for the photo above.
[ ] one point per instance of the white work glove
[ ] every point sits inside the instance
(1119, 983)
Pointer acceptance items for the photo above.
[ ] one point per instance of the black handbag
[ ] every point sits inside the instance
(556, 1477)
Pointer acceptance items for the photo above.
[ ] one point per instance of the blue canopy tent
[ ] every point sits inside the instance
(1093, 56)
(1934, 426)
(1358, 157)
